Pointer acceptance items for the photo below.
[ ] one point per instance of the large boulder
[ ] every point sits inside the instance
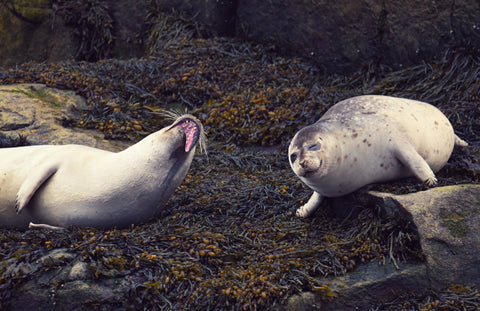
(28, 32)
(346, 35)
(40, 30)
(448, 224)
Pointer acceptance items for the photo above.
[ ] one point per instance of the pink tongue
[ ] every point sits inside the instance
(189, 129)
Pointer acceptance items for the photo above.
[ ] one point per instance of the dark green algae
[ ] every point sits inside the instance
(229, 238)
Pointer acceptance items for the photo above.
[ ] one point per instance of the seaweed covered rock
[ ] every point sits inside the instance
(448, 224)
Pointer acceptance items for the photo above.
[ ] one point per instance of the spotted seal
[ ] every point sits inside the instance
(370, 139)
(59, 186)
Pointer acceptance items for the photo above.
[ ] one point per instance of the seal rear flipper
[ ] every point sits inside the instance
(410, 158)
(31, 184)
(460, 142)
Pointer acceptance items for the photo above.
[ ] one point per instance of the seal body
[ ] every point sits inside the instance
(83, 186)
(370, 139)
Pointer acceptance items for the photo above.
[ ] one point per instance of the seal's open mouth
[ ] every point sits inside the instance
(192, 132)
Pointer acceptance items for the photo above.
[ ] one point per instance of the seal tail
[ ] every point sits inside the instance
(460, 142)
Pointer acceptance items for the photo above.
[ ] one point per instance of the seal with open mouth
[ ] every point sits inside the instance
(59, 186)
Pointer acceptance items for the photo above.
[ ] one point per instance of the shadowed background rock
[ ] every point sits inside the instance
(337, 37)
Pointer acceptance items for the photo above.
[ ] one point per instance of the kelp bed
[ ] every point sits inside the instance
(228, 238)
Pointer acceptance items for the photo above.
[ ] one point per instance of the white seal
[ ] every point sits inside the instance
(60, 186)
(370, 139)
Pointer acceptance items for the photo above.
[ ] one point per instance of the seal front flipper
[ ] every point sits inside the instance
(309, 207)
(410, 158)
(31, 184)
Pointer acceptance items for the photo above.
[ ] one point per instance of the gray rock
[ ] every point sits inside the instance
(35, 30)
(448, 223)
(74, 295)
(56, 257)
(79, 293)
(372, 284)
(306, 301)
(347, 35)
(35, 111)
(363, 288)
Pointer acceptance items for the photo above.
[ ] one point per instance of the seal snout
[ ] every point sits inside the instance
(308, 171)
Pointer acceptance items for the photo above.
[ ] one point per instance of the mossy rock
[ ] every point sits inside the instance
(448, 224)
(35, 11)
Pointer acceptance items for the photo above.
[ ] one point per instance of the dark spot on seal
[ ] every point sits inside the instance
(382, 165)
(355, 159)
(354, 135)
(339, 159)
(414, 117)
(367, 142)
(346, 156)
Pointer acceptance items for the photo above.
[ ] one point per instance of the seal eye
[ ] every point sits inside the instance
(314, 147)
(293, 157)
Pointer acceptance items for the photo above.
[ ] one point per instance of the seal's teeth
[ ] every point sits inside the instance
(189, 141)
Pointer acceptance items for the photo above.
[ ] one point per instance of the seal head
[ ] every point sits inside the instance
(192, 128)
(306, 155)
